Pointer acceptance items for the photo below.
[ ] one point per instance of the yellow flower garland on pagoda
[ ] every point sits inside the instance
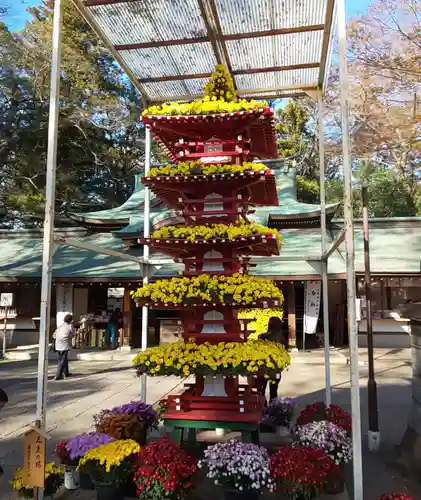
(243, 289)
(210, 231)
(220, 97)
(197, 168)
(226, 358)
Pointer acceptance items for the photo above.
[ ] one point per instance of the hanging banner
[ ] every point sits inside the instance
(312, 294)
(64, 297)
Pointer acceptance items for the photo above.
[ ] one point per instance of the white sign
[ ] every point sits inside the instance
(6, 299)
(358, 307)
(312, 292)
(64, 298)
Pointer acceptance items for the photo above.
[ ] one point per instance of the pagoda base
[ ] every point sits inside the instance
(192, 421)
(241, 413)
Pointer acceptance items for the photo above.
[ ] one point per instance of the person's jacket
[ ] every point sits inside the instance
(63, 337)
(278, 337)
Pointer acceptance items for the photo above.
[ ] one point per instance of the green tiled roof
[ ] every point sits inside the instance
(118, 214)
(131, 212)
(20, 256)
(395, 248)
(287, 196)
(70, 262)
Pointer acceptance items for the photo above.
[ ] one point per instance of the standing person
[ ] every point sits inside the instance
(63, 343)
(113, 327)
(274, 334)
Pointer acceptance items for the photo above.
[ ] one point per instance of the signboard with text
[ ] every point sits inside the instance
(311, 306)
(6, 299)
(34, 459)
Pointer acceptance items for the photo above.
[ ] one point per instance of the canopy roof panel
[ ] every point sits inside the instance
(170, 47)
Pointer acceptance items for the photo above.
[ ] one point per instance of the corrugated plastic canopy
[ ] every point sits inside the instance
(169, 47)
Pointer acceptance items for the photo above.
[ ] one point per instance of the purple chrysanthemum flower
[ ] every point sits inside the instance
(280, 412)
(79, 445)
(143, 411)
(238, 465)
(332, 439)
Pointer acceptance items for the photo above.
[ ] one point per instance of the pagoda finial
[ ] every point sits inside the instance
(220, 86)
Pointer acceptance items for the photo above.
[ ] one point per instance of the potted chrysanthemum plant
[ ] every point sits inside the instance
(319, 411)
(241, 469)
(128, 421)
(164, 470)
(334, 441)
(110, 466)
(71, 475)
(78, 445)
(279, 415)
(53, 482)
(300, 473)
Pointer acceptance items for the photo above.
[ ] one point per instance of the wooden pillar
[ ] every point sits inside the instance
(127, 317)
(292, 323)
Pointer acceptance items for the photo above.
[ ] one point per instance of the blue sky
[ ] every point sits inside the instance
(17, 15)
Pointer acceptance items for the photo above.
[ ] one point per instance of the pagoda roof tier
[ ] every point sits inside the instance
(257, 125)
(179, 248)
(258, 304)
(255, 187)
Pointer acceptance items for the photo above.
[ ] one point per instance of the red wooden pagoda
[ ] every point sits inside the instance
(225, 138)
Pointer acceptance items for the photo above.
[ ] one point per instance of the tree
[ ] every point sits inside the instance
(296, 137)
(385, 57)
(100, 137)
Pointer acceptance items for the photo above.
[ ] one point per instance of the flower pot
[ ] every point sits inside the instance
(241, 495)
(107, 491)
(85, 481)
(71, 478)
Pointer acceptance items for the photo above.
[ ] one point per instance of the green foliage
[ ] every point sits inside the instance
(291, 128)
(99, 141)
(308, 190)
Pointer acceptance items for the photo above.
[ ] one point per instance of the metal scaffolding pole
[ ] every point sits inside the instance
(373, 411)
(325, 281)
(146, 234)
(48, 243)
(350, 257)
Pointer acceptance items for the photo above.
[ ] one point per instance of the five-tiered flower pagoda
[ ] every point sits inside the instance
(212, 187)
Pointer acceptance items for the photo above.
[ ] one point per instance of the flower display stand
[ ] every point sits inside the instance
(224, 195)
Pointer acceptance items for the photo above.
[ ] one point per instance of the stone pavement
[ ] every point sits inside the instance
(71, 403)
(102, 385)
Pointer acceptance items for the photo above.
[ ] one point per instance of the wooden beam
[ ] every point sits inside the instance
(326, 40)
(274, 32)
(173, 78)
(292, 321)
(224, 38)
(211, 33)
(334, 245)
(276, 68)
(90, 19)
(162, 43)
(93, 3)
(255, 93)
(220, 41)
